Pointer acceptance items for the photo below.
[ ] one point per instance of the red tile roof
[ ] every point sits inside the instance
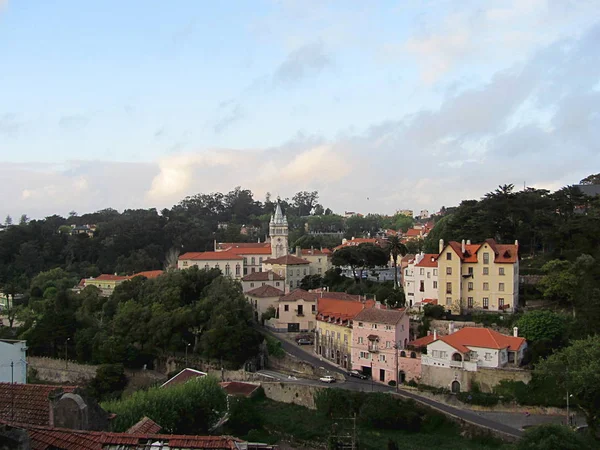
(356, 241)
(148, 274)
(432, 301)
(315, 251)
(265, 291)
(184, 376)
(262, 276)
(249, 251)
(255, 245)
(145, 426)
(344, 310)
(376, 315)
(429, 260)
(503, 253)
(481, 337)
(299, 294)
(239, 389)
(208, 256)
(108, 277)
(413, 232)
(28, 403)
(422, 342)
(287, 259)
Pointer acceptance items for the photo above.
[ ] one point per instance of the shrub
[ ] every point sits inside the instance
(391, 383)
(243, 416)
(338, 402)
(386, 412)
(274, 347)
(478, 398)
(433, 389)
(412, 383)
(109, 382)
(433, 311)
(553, 437)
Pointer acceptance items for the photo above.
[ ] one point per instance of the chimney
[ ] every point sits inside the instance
(451, 328)
(428, 332)
(516, 242)
(215, 245)
(462, 246)
(435, 334)
(516, 331)
(468, 241)
(441, 246)
(298, 251)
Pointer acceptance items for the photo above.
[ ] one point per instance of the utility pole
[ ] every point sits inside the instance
(12, 391)
(567, 384)
(187, 344)
(396, 346)
(67, 353)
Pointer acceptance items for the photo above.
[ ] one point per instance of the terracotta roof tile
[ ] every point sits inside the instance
(208, 256)
(376, 315)
(299, 294)
(329, 308)
(265, 291)
(249, 251)
(429, 260)
(481, 337)
(287, 259)
(503, 253)
(184, 376)
(27, 403)
(239, 389)
(145, 426)
(148, 274)
(108, 277)
(422, 342)
(315, 252)
(262, 276)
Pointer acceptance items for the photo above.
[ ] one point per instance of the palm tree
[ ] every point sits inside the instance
(395, 248)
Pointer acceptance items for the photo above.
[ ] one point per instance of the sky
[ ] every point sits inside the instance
(378, 105)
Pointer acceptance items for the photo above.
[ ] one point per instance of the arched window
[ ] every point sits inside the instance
(227, 269)
(253, 259)
(206, 267)
(237, 270)
(413, 355)
(260, 259)
(403, 354)
(217, 266)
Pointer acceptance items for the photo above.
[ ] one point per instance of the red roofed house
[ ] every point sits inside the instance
(478, 277)
(292, 267)
(296, 312)
(262, 297)
(420, 280)
(107, 282)
(335, 318)
(453, 360)
(228, 263)
(184, 376)
(355, 241)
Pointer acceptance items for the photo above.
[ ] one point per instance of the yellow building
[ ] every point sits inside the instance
(105, 282)
(333, 335)
(478, 277)
(320, 260)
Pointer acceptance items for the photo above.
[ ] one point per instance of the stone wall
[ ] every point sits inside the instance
(298, 394)
(441, 326)
(291, 365)
(486, 378)
(58, 371)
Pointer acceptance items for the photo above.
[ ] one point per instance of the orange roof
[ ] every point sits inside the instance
(299, 294)
(184, 376)
(265, 291)
(422, 342)
(412, 232)
(262, 276)
(503, 253)
(148, 274)
(208, 256)
(432, 301)
(287, 259)
(145, 426)
(249, 250)
(481, 337)
(356, 241)
(255, 245)
(340, 309)
(429, 260)
(108, 277)
(28, 403)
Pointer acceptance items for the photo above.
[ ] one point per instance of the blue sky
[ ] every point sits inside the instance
(411, 104)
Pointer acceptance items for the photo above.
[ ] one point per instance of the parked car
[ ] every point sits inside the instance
(327, 379)
(357, 374)
(304, 341)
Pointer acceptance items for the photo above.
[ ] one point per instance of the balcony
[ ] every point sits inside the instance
(456, 364)
(373, 349)
(299, 313)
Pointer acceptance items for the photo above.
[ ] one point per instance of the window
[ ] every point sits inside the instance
(297, 283)
(291, 273)
(277, 283)
(448, 288)
(501, 287)
(251, 284)
(253, 260)
(421, 271)
(488, 356)
(286, 307)
(388, 327)
(245, 261)
(260, 259)
(500, 270)
(374, 326)
(486, 303)
(486, 258)
(403, 353)
(448, 256)
(448, 270)
(360, 340)
(360, 324)
(469, 302)
(435, 284)
(227, 269)
(300, 310)
(486, 270)
(382, 358)
(470, 270)
(448, 301)
(435, 272)
(345, 339)
(428, 274)
(291, 284)
(313, 308)
(304, 271)
(253, 269)
(435, 353)
(486, 286)
(326, 332)
(500, 303)
(470, 286)
(206, 267)
(319, 259)
(388, 344)
(217, 266)
(319, 271)
(338, 336)
(422, 286)
(185, 263)
(237, 270)
(364, 355)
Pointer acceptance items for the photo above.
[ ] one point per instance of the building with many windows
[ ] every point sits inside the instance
(420, 280)
(478, 277)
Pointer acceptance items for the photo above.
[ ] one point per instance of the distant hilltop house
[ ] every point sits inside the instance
(242, 260)
(405, 212)
(357, 241)
(107, 282)
(83, 229)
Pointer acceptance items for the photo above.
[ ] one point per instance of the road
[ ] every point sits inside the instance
(356, 384)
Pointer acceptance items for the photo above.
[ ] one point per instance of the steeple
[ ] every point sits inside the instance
(278, 218)
(278, 232)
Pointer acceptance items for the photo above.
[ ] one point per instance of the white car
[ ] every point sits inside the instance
(327, 379)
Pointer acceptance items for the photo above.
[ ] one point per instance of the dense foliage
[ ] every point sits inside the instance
(189, 408)
(553, 437)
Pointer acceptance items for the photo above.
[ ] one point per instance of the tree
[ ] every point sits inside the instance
(576, 370)
(24, 219)
(559, 282)
(110, 380)
(395, 248)
(591, 179)
(270, 313)
(552, 437)
(244, 416)
(8, 221)
(543, 325)
(305, 201)
(361, 257)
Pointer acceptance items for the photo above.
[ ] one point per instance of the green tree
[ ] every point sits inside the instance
(552, 437)
(395, 248)
(109, 382)
(576, 369)
(244, 416)
(8, 221)
(543, 325)
(591, 179)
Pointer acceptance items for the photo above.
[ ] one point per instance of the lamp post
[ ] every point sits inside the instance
(396, 347)
(67, 353)
(187, 344)
(372, 377)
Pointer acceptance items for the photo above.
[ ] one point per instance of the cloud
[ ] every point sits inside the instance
(74, 122)
(9, 125)
(229, 113)
(304, 61)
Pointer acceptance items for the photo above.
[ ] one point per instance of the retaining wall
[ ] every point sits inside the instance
(60, 371)
(298, 394)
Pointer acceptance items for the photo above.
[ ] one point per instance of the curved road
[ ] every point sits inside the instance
(367, 385)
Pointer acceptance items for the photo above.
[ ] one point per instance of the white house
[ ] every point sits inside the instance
(420, 280)
(13, 361)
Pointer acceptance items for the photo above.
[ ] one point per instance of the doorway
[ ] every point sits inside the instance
(381, 374)
(455, 387)
(402, 377)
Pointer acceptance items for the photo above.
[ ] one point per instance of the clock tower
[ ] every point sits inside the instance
(278, 232)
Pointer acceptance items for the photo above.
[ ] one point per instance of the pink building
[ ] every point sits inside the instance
(378, 336)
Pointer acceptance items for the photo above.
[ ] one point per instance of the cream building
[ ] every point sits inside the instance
(261, 298)
(296, 312)
(319, 259)
(258, 279)
(291, 267)
(229, 264)
(478, 277)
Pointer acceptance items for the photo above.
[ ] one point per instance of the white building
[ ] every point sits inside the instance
(420, 280)
(13, 361)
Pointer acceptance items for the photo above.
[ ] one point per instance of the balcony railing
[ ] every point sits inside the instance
(299, 313)
(456, 364)
(373, 349)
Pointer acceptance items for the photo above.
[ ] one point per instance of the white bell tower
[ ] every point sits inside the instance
(278, 231)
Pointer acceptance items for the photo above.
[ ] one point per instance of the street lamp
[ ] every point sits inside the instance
(187, 344)
(67, 353)
(396, 347)
(372, 376)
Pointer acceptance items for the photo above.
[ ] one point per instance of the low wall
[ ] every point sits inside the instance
(59, 371)
(486, 378)
(298, 394)
(490, 378)
(289, 364)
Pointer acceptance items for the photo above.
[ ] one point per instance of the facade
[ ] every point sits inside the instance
(378, 335)
(262, 297)
(105, 282)
(420, 280)
(253, 254)
(478, 277)
(296, 312)
(293, 268)
(319, 259)
(333, 336)
(229, 263)
(13, 361)
(278, 231)
(470, 349)
(267, 278)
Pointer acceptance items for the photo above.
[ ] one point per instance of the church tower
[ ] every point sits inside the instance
(278, 232)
